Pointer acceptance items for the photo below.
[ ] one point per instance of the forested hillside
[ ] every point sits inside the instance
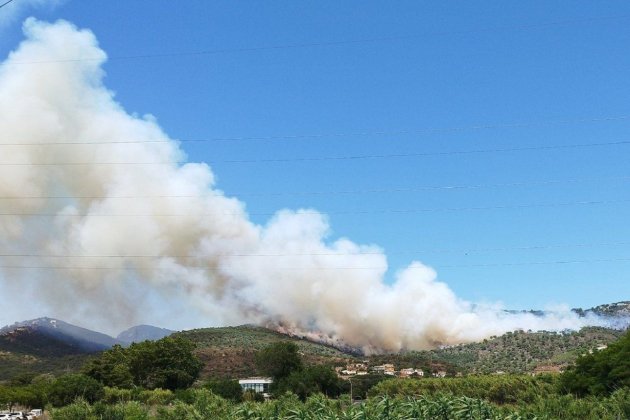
(521, 352)
(228, 352)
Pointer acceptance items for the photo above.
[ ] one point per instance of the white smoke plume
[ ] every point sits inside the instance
(181, 253)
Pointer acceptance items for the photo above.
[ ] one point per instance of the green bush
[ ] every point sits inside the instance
(228, 389)
(168, 363)
(206, 405)
(500, 389)
(156, 396)
(309, 381)
(79, 410)
(131, 410)
(279, 360)
(117, 395)
(601, 372)
(68, 388)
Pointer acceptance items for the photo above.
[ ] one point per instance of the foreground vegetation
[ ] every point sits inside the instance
(159, 380)
(203, 404)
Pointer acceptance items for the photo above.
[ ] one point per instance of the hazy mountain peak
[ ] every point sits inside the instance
(82, 338)
(143, 332)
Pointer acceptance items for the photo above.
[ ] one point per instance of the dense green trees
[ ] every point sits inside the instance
(279, 360)
(309, 381)
(499, 389)
(361, 384)
(168, 363)
(228, 389)
(601, 372)
(283, 363)
(68, 388)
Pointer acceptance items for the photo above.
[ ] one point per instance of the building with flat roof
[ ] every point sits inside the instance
(259, 385)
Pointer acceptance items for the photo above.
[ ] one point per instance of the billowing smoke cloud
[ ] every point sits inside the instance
(179, 252)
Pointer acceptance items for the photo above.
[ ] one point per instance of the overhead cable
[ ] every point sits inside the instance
(331, 135)
(178, 54)
(215, 193)
(322, 268)
(333, 212)
(328, 254)
(341, 158)
(5, 3)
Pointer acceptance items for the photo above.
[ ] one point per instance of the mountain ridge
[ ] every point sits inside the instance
(84, 339)
(48, 345)
(143, 332)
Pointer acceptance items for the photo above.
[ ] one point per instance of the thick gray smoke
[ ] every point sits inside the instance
(181, 253)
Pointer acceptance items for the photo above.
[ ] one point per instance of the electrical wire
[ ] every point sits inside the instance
(334, 135)
(179, 54)
(5, 3)
(342, 158)
(419, 188)
(620, 244)
(320, 268)
(339, 212)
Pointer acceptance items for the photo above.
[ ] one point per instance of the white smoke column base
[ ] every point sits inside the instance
(159, 243)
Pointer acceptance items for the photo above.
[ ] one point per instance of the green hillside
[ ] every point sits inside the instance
(25, 351)
(522, 352)
(228, 352)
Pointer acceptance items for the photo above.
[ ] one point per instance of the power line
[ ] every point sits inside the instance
(424, 154)
(329, 43)
(340, 158)
(340, 212)
(320, 268)
(5, 3)
(532, 263)
(338, 134)
(333, 254)
(453, 187)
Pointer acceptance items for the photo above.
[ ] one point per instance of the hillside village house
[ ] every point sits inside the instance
(386, 369)
(257, 384)
(405, 373)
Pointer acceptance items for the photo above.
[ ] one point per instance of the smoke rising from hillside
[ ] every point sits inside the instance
(183, 250)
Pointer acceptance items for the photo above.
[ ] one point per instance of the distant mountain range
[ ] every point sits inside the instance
(617, 309)
(81, 339)
(618, 313)
(76, 339)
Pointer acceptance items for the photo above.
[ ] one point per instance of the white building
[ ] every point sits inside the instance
(259, 385)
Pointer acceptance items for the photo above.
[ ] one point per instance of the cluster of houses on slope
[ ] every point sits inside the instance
(355, 369)
(261, 384)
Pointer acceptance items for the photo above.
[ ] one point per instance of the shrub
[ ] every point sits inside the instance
(68, 388)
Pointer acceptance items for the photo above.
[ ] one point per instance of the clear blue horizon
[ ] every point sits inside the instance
(488, 140)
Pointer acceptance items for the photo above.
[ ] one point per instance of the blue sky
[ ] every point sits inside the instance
(421, 78)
